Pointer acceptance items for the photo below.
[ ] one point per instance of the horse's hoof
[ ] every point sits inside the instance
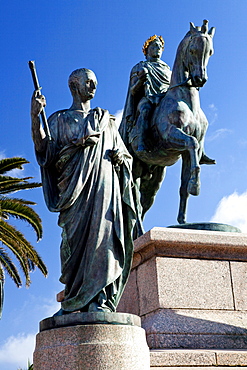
(194, 187)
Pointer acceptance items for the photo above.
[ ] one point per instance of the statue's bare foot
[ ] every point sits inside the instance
(96, 307)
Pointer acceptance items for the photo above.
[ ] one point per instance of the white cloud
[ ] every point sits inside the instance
(118, 116)
(42, 307)
(212, 114)
(17, 350)
(222, 132)
(242, 142)
(2, 154)
(50, 307)
(232, 210)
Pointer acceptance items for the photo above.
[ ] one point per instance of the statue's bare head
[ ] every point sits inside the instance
(153, 41)
(83, 82)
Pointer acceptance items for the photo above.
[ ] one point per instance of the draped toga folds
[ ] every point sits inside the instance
(94, 198)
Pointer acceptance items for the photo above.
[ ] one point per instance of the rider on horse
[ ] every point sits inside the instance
(149, 81)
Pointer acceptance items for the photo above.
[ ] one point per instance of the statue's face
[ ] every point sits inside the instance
(87, 87)
(155, 49)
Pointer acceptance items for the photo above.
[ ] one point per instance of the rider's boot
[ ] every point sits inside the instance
(206, 160)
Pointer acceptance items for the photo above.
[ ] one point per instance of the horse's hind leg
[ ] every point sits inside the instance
(185, 177)
(181, 141)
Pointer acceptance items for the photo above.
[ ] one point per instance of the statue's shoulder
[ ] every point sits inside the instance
(53, 117)
(136, 68)
(103, 114)
(100, 111)
(159, 63)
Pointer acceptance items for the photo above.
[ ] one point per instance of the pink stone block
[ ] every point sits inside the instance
(239, 282)
(190, 244)
(97, 346)
(130, 303)
(184, 283)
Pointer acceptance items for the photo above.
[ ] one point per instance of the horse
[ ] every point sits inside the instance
(178, 124)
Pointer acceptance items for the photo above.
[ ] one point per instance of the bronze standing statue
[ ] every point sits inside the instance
(176, 124)
(86, 177)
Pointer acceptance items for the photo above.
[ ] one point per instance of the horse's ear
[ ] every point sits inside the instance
(192, 27)
(211, 32)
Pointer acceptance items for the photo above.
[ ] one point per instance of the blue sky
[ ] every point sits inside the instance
(107, 37)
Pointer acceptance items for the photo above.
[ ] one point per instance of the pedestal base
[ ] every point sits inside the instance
(189, 287)
(185, 359)
(95, 346)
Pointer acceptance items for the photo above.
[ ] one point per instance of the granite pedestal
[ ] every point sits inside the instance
(190, 289)
(99, 341)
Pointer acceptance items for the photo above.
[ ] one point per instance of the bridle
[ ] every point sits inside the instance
(184, 83)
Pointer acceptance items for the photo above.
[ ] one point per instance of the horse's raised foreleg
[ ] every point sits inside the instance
(181, 141)
(185, 177)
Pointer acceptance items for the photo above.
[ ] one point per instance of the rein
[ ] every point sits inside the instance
(180, 84)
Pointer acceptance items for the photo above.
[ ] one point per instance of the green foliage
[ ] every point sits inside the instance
(29, 366)
(12, 239)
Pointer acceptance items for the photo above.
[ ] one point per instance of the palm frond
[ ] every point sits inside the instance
(11, 238)
(8, 164)
(12, 188)
(6, 180)
(6, 262)
(22, 259)
(1, 290)
(22, 201)
(18, 244)
(11, 207)
(21, 246)
(1, 274)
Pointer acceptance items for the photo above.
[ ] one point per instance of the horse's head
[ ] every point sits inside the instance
(197, 52)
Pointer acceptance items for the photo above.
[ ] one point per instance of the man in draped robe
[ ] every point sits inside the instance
(86, 177)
